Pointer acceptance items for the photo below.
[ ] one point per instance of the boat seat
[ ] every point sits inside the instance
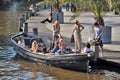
(16, 39)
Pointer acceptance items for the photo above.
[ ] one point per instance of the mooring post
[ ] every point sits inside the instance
(96, 54)
(96, 51)
(27, 15)
(30, 13)
(21, 22)
(26, 27)
(35, 31)
(23, 17)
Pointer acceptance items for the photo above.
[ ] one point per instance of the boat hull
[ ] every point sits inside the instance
(75, 62)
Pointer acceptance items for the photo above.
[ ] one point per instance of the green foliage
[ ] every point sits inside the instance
(53, 4)
(116, 5)
(97, 7)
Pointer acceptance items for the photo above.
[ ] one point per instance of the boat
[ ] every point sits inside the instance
(68, 60)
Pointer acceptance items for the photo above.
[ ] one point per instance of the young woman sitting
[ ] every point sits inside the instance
(56, 44)
(62, 46)
(34, 47)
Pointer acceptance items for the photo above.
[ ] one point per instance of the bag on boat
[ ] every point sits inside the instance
(72, 38)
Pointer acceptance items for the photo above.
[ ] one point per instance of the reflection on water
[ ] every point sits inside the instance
(7, 53)
(8, 23)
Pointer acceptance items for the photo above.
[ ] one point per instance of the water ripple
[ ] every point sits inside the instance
(7, 53)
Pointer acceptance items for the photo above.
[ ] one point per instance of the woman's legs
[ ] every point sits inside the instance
(77, 43)
(101, 50)
(46, 20)
(101, 47)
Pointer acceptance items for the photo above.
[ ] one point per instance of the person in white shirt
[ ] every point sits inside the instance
(21, 41)
(87, 48)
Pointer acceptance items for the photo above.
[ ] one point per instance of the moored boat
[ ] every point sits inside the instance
(67, 60)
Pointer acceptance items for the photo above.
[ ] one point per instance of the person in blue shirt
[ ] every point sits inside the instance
(98, 35)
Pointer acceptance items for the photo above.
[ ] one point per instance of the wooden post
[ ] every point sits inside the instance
(23, 17)
(96, 54)
(26, 27)
(27, 15)
(21, 22)
(30, 13)
(35, 31)
(96, 51)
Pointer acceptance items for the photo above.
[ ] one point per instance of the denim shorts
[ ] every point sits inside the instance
(56, 33)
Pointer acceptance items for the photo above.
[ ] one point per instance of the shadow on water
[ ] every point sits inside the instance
(108, 66)
(106, 69)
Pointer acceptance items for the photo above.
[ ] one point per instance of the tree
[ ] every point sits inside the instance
(97, 7)
(116, 6)
(54, 4)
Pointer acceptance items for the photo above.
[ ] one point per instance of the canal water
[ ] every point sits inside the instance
(12, 67)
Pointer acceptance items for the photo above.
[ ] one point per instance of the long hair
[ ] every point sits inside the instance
(34, 45)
